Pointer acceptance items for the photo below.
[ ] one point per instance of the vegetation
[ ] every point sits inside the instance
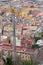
(36, 39)
(41, 34)
(8, 61)
(30, 62)
(39, 37)
(36, 46)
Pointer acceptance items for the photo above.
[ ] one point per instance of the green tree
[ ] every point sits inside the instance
(36, 46)
(8, 61)
(36, 39)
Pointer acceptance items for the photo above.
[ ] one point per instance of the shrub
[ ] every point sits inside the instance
(8, 61)
(30, 62)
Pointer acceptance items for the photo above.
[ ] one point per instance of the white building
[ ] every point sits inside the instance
(40, 42)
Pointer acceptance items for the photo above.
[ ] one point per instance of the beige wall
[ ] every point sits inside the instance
(24, 56)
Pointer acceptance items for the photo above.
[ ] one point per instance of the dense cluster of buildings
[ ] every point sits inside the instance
(24, 30)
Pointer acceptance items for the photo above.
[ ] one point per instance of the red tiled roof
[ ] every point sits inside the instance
(19, 48)
(0, 25)
(6, 45)
(19, 26)
(27, 41)
(22, 49)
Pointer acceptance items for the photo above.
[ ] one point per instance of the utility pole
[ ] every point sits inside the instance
(14, 36)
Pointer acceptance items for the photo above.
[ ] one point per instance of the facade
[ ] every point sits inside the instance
(6, 38)
(27, 54)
